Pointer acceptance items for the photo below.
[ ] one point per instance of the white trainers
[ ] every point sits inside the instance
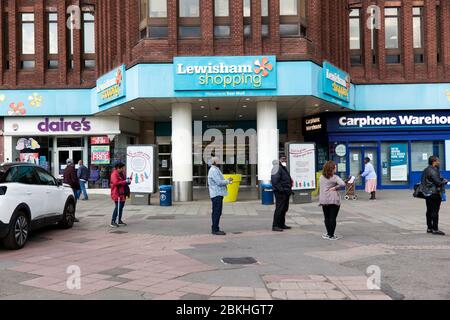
(325, 237)
(334, 238)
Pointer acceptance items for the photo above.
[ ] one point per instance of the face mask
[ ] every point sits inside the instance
(284, 164)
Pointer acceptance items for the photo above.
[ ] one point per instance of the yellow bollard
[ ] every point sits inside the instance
(315, 193)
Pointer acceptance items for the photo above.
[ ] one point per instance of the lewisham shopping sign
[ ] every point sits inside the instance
(336, 83)
(111, 86)
(225, 74)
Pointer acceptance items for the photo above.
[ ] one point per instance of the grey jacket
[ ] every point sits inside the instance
(326, 196)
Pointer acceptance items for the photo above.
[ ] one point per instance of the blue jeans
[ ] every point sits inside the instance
(217, 206)
(83, 190)
(77, 194)
(118, 210)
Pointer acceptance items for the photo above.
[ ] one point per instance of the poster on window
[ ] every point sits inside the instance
(302, 165)
(399, 162)
(141, 168)
(100, 155)
(29, 158)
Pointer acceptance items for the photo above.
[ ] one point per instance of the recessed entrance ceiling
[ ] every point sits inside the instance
(222, 109)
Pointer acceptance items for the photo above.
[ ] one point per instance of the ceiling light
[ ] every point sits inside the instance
(205, 117)
(203, 107)
(119, 114)
(132, 108)
(248, 99)
(327, 110)
(200, 100)
(241, 116)
(316, 105)
(244, 107)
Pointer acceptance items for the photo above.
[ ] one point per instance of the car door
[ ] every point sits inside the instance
(33, 194)
(55, 204)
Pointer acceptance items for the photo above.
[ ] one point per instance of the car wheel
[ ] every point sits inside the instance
(68, 216)
(18, 232)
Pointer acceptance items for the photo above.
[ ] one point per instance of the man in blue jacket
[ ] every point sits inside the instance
(282, 188)
(217, 191)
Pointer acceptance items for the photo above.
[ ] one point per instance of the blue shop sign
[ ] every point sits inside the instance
(111, 86)
(232, 74)
(336, 83)
(357, 122)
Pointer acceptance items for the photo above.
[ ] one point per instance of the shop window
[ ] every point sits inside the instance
(355, 37)
(52, 40)
(264, 18)
(154, 23)
(222, 19)
(387, 178)
(89, 40)
(189, 19)
(293, 18)
(70, 39)
(391, 22)
(421, 151)
(27, 49)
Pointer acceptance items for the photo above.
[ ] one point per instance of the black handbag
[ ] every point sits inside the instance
(418, 192)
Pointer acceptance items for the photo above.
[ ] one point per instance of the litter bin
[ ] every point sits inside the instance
(267, 194)
(165, 196)
(233, 189)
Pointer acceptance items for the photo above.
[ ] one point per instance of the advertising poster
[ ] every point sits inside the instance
(100, 140)
(302, 165)
(100, 155)
(29, 158)
(399, 162)
(140, 168)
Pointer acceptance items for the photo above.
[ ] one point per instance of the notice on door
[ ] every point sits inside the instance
(399, 162)
(141, 168)
(302, 166)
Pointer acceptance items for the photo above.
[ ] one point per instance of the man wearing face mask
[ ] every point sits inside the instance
(433, 185)
(282, 188)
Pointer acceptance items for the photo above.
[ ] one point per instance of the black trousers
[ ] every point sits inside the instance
(217, 207)
(281, 208)
(330, 212)
(433, 207)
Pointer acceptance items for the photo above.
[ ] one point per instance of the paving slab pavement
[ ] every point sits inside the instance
(168, 253)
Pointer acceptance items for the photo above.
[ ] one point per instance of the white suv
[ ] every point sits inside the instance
(31, 198)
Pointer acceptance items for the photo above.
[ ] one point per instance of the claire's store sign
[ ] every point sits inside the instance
(336, 83)
(62, 125)
(111, 86)
(234, 75)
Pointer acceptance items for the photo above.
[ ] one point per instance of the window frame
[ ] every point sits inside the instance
(52, 57)
(393, 52)
(88, 57)
(222, 21)
(147, 22)
(27, 57)
(300, 20)
(189, 22)
(356, 52)
(419, 52)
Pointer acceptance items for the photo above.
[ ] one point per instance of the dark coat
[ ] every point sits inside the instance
(281, 180)
(432, 181)
(71, 178)
(84, 173)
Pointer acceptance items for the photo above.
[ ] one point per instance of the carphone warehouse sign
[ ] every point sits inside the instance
(225, 73)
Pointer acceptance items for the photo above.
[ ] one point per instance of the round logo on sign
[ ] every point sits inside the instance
(163, 197)
(341, 150)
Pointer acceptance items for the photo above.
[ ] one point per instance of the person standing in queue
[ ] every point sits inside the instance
(282, 187)
(329, 198)
(433, 185)
(70, 177)
(371, 178)
(217, 191)
(119, 192)
(83, 176)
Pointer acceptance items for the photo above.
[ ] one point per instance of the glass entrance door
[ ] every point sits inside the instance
(64, 154)
(357, 156)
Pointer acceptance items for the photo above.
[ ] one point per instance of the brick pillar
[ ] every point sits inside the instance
(237, 26)
(2, 49)
(40, 43)
(13, 43)
(314, 27)
(63, 54)
(367, 42)
(430, 38)
(256, 27)
(77, 48)
(407, 36)
(207, 26)
(381, 45)
(445, 34)
(274, 26)
(173, 26)
(325, 27)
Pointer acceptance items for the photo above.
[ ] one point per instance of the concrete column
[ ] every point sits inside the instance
(182, 163)
(268, 139)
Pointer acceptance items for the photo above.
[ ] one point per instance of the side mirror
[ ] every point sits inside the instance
(59, 182)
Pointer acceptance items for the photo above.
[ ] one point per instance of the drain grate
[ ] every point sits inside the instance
(240, 261)
(119, 232)
(161, 218)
